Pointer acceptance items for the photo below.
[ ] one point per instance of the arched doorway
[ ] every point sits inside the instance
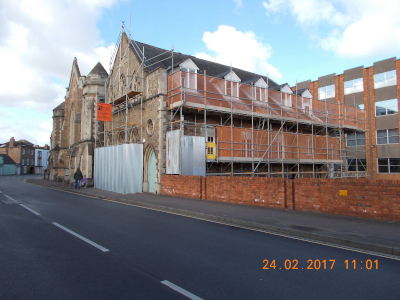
(150, 168)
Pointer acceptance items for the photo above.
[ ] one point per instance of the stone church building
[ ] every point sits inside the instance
(74, 125)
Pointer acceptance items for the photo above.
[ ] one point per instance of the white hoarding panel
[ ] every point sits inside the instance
(173, 151)
(193, 155)
(119, 168)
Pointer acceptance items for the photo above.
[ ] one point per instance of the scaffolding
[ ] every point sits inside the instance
(284, 135)
(249, 130)
(125, 91)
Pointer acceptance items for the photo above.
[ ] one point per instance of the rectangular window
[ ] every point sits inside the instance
(25, 170)
(286, 100)
(353, 86)
(31, 152)
(387, 107)
(389, 165)
(23, 151)
(385, 79)
(260, 93)
(189, 78)
(232, 88)
(326, 92)
(22, 161)
(39, 153)
(387, 136)
(357, 165)
(307, 104)
(360, 106)
(356, 139)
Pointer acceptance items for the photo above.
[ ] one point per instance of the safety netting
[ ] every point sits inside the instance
(222, 95)
(241, 142)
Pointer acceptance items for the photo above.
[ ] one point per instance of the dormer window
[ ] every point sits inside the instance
(286, 96)
(189, 74)
(189, 78)
(232, 82)
(260, 90)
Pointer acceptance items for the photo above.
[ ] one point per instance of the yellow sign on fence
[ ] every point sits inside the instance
(211, 153)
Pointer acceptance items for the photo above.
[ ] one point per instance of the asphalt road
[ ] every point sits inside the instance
(56, 245)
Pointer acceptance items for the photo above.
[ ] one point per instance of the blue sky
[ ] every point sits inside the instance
(287, 39)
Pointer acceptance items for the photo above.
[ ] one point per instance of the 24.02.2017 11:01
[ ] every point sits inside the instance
(320, 264)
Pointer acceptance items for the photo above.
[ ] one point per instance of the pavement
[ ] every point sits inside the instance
(341, 231)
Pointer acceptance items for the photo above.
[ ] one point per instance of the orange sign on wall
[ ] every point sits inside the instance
(104, 112)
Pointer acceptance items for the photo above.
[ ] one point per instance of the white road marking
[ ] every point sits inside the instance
(10, 198)
(81, 237)
(31, 210)
(181, 290)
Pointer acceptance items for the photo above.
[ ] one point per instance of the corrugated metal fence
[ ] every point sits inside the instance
(119, 168)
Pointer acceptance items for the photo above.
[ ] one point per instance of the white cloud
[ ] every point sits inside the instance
(356, 28)
(27, 127)
(38, 42)
(241, 49)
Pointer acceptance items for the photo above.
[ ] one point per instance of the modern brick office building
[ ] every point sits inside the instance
(376, 89)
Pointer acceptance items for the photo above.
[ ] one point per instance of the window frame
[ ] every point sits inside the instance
(388, 136)
(386, 108)
(385, 80)
(353, 87)
(286, 99)
(356, 139)
(358, 163)
(260, 93)
(388, 165)
(326, 92)
(186, 78)
(232, 88)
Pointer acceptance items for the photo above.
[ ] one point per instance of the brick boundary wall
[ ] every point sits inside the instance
(376, 199)
(269, 192)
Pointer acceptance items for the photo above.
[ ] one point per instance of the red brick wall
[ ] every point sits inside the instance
(268, 192)
(181, 186)
(377, 199)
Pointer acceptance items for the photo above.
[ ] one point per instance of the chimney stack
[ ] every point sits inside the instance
(12, 141)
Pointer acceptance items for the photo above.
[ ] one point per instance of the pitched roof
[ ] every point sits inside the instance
(7, 160)
(61, 106)
(277, 87)
(98, 70)
(212, 68)
(300, 91)
(18, 143)
(23, 142)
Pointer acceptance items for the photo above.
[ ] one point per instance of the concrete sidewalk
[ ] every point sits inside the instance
(365, 234)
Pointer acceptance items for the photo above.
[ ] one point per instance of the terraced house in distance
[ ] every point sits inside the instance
(375, 89)
(177, 114)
